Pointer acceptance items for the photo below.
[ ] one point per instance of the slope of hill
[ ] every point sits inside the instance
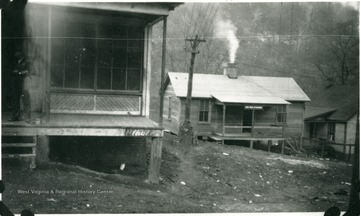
(207, 178)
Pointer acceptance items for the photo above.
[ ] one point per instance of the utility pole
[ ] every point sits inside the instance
(186, 130)
(354, 202)
(194, 44)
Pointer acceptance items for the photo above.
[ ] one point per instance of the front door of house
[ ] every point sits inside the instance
(233, 119)
(247, 120)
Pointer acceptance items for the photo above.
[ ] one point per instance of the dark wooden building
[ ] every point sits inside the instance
(91, 70)
(331, 118)
(236, 107)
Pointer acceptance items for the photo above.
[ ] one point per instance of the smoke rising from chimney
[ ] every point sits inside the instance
(226, 29)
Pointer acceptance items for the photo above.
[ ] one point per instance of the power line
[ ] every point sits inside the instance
(213, 15)
(197, 21)
(206, 17)
(191, 18)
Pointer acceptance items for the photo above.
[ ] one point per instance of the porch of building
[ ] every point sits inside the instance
(242, 119)
(81, 125)
(42, 127)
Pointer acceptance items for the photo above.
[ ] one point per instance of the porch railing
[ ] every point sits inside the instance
(253, 131)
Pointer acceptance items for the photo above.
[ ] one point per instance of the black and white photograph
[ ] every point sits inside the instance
(120, 107)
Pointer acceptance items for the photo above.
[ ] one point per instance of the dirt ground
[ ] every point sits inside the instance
(207, 178)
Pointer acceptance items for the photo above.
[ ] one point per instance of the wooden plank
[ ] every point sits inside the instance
(80, 132)
(17, 155)
(155, 160)
(216, 138)
(10, 145)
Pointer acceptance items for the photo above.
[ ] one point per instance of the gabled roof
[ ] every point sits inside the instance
(244, 89)
(345, 112)
(316, 112)
(283, 87)
(337, 103)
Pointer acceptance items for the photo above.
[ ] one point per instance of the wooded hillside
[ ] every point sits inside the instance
(315, 43)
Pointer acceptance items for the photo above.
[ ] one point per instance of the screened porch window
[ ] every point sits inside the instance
(204, 111)
(96, 55)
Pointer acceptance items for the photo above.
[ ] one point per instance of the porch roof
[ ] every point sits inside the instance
(243, 99)
(151, 8)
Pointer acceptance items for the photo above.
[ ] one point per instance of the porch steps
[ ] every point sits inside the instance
(25, 144)
(215, 138)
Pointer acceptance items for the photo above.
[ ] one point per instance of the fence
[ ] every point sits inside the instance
(328, 149)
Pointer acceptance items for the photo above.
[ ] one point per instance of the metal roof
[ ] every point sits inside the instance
(283, 87)
(152, 8)
(345, 112)
(244, 89)
(312, 112)
(341, 100)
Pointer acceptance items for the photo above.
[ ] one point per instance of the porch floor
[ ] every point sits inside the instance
(82, 125)
(243, 136)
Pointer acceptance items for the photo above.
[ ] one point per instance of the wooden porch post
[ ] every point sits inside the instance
(269, 145)
(284, 122)
(155, 160)
(344, 151)
(162, 77)
(46, 97)
(42, 150)
(252, 122)
(252, 128)
(223, 129)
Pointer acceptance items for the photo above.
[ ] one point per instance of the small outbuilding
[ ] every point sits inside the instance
(331, 118)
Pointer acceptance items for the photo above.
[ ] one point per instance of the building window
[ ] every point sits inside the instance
(204, 111)
(280, 114)
(331, 132)
(170, 106)
(93, 54)
(313, 130)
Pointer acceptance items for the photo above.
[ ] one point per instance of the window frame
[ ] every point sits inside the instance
(331, 131)
(202, 111)
(313, 130)
(169, 117)
(95, 25)
(281, 111)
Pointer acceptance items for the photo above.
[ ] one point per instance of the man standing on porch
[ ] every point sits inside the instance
(20, 91)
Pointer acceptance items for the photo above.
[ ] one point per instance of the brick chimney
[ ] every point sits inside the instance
(231, 71)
